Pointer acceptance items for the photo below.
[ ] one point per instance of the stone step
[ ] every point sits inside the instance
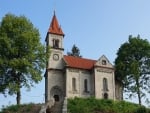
(57, 108)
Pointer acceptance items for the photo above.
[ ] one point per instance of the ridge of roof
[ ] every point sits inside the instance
(55, 28)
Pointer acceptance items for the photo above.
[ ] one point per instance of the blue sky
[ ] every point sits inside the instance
(97, 27)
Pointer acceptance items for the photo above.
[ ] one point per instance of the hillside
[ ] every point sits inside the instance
(25, 108)
(88, 105)
(92, 105)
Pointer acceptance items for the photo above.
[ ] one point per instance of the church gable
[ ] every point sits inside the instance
(103, 62)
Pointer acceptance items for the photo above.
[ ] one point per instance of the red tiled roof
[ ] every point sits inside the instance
(54, 27)
(77, 62)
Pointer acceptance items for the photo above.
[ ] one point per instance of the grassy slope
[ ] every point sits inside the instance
(25, 108)
(80, 105)
(92, 105)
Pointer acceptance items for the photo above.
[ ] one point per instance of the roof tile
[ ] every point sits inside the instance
(78, 62)
(54, 27)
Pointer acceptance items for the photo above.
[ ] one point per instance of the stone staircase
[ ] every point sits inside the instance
(54, 107)
(57, 108)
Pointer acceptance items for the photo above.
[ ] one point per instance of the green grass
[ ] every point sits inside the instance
(24, 108)
(84, 105)
(92, 105)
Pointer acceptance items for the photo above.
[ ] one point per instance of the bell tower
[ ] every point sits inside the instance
(54, 39)
(54, 79)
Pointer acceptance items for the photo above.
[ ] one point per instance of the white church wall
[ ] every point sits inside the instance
(80, 76)
(55, 78)
(70, 74)
(57, 64)
(53, 62)
(100, 74)
(85, 75)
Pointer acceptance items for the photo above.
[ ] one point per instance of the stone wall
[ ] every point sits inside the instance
(80, 76)
(56, 84)
(100, 74)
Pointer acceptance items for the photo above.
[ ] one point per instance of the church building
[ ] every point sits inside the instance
(69, 76)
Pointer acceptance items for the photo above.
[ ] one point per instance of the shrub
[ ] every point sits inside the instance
(141, 109)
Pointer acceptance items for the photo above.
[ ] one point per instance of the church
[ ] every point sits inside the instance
(69, 76)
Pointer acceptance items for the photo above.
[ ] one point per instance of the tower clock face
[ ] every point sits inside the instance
(56, 57)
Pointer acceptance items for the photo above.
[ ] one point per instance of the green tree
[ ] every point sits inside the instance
(22, 56)
(133, 66)
(75, 51)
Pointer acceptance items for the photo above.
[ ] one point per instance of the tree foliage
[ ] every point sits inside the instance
(22, 56)
(75, 51)
(133, 66)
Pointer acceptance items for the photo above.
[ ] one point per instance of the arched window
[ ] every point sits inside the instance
(105, 96)
(55, 43)
(105, 84)
(85, 85)
(73, 84)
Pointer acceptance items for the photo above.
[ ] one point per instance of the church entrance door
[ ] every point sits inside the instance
(56, 93)
(56, 98)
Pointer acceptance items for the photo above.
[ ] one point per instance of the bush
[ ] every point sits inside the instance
(12, 108)
(141, 109)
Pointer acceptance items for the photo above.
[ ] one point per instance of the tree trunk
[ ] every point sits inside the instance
(18, 98)
(138, 92)
(139, 97)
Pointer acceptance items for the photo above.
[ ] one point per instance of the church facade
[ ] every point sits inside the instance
(69, 76)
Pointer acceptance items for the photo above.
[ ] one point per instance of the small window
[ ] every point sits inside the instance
(103, 62)
(55, 43)
(73, 84)
(85, 85)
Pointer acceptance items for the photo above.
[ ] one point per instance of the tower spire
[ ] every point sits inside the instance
(55, 27)
(54, 11)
